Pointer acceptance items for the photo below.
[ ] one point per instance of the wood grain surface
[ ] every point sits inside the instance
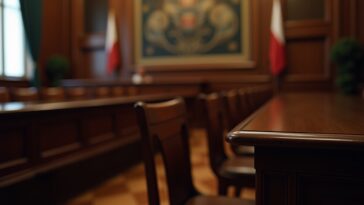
(304, 119)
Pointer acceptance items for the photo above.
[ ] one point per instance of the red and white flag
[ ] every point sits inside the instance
(112, 44)
(277, 42)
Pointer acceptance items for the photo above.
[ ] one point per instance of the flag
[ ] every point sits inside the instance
(277, 42)
(112, 44)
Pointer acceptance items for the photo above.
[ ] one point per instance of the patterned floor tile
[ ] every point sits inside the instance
(130, 187)
(126, 198)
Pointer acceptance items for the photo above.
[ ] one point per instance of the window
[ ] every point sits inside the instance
(14, 58)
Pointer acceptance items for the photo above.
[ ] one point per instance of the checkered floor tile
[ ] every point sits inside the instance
(130, 187)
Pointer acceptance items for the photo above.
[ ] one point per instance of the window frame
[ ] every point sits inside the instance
(26, 61)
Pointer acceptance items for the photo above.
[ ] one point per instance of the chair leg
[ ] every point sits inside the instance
(223, 188)
(237, 191)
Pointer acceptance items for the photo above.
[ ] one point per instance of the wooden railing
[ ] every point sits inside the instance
(38, 137)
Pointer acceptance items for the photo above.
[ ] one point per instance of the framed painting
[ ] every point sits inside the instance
(180, 33)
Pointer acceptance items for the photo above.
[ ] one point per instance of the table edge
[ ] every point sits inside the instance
(295, 139)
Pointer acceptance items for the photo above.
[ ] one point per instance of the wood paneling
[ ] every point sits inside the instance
(340, 18)
(309, 39)
(98, 127)
(305, 10)
(14, 83)
(126, 126)
(360, 20)
(272, 194)
(95, 16)
(15, 147)
(309, 176)
(12, 147)
(38, 137)
(58, 136)
(79, 70)
(350, 12)
(56, 33)
(322, 188)
(125, 15)
(307, 59)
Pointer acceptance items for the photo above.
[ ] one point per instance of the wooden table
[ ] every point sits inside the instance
(309, 149)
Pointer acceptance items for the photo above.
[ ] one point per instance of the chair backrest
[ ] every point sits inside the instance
(102, 92)
(259, 95)
(4, 95)
(244, 103)
(265, 93)
(232, 108)
(164, 124)
(252, 101)
(77, 93)
(25, 94)
(132, 91)
(214, 114)
(118, 91)
(53, 94)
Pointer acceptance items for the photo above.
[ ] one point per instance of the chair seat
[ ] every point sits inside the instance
(243, 150)
(238, 167)
(235, 171)
(218, 200)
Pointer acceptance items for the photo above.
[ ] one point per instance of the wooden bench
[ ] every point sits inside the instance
(37, 137)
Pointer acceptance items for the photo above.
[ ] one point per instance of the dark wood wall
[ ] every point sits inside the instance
(56, 34)
(75, 28)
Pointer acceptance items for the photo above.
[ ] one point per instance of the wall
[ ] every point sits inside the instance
(56, 34)
(358, 28)
(308, 42)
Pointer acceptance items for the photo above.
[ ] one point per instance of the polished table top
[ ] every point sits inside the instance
(305, 119)
(26, 107)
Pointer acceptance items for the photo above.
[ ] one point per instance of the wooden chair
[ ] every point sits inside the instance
(118, 91)
(77, 93)
(102, 92)
(164, 124)
(25, 94)
(232, 108)
(133, 91)
(260, 95)
(251, 99)
(267, 93)
(235, 111)
(53, 94)
(233, 171)
(4, 95)
(246, 109)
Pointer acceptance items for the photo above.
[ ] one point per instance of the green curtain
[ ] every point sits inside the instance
(32, 18)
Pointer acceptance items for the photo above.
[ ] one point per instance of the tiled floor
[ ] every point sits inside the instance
(129, 188)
